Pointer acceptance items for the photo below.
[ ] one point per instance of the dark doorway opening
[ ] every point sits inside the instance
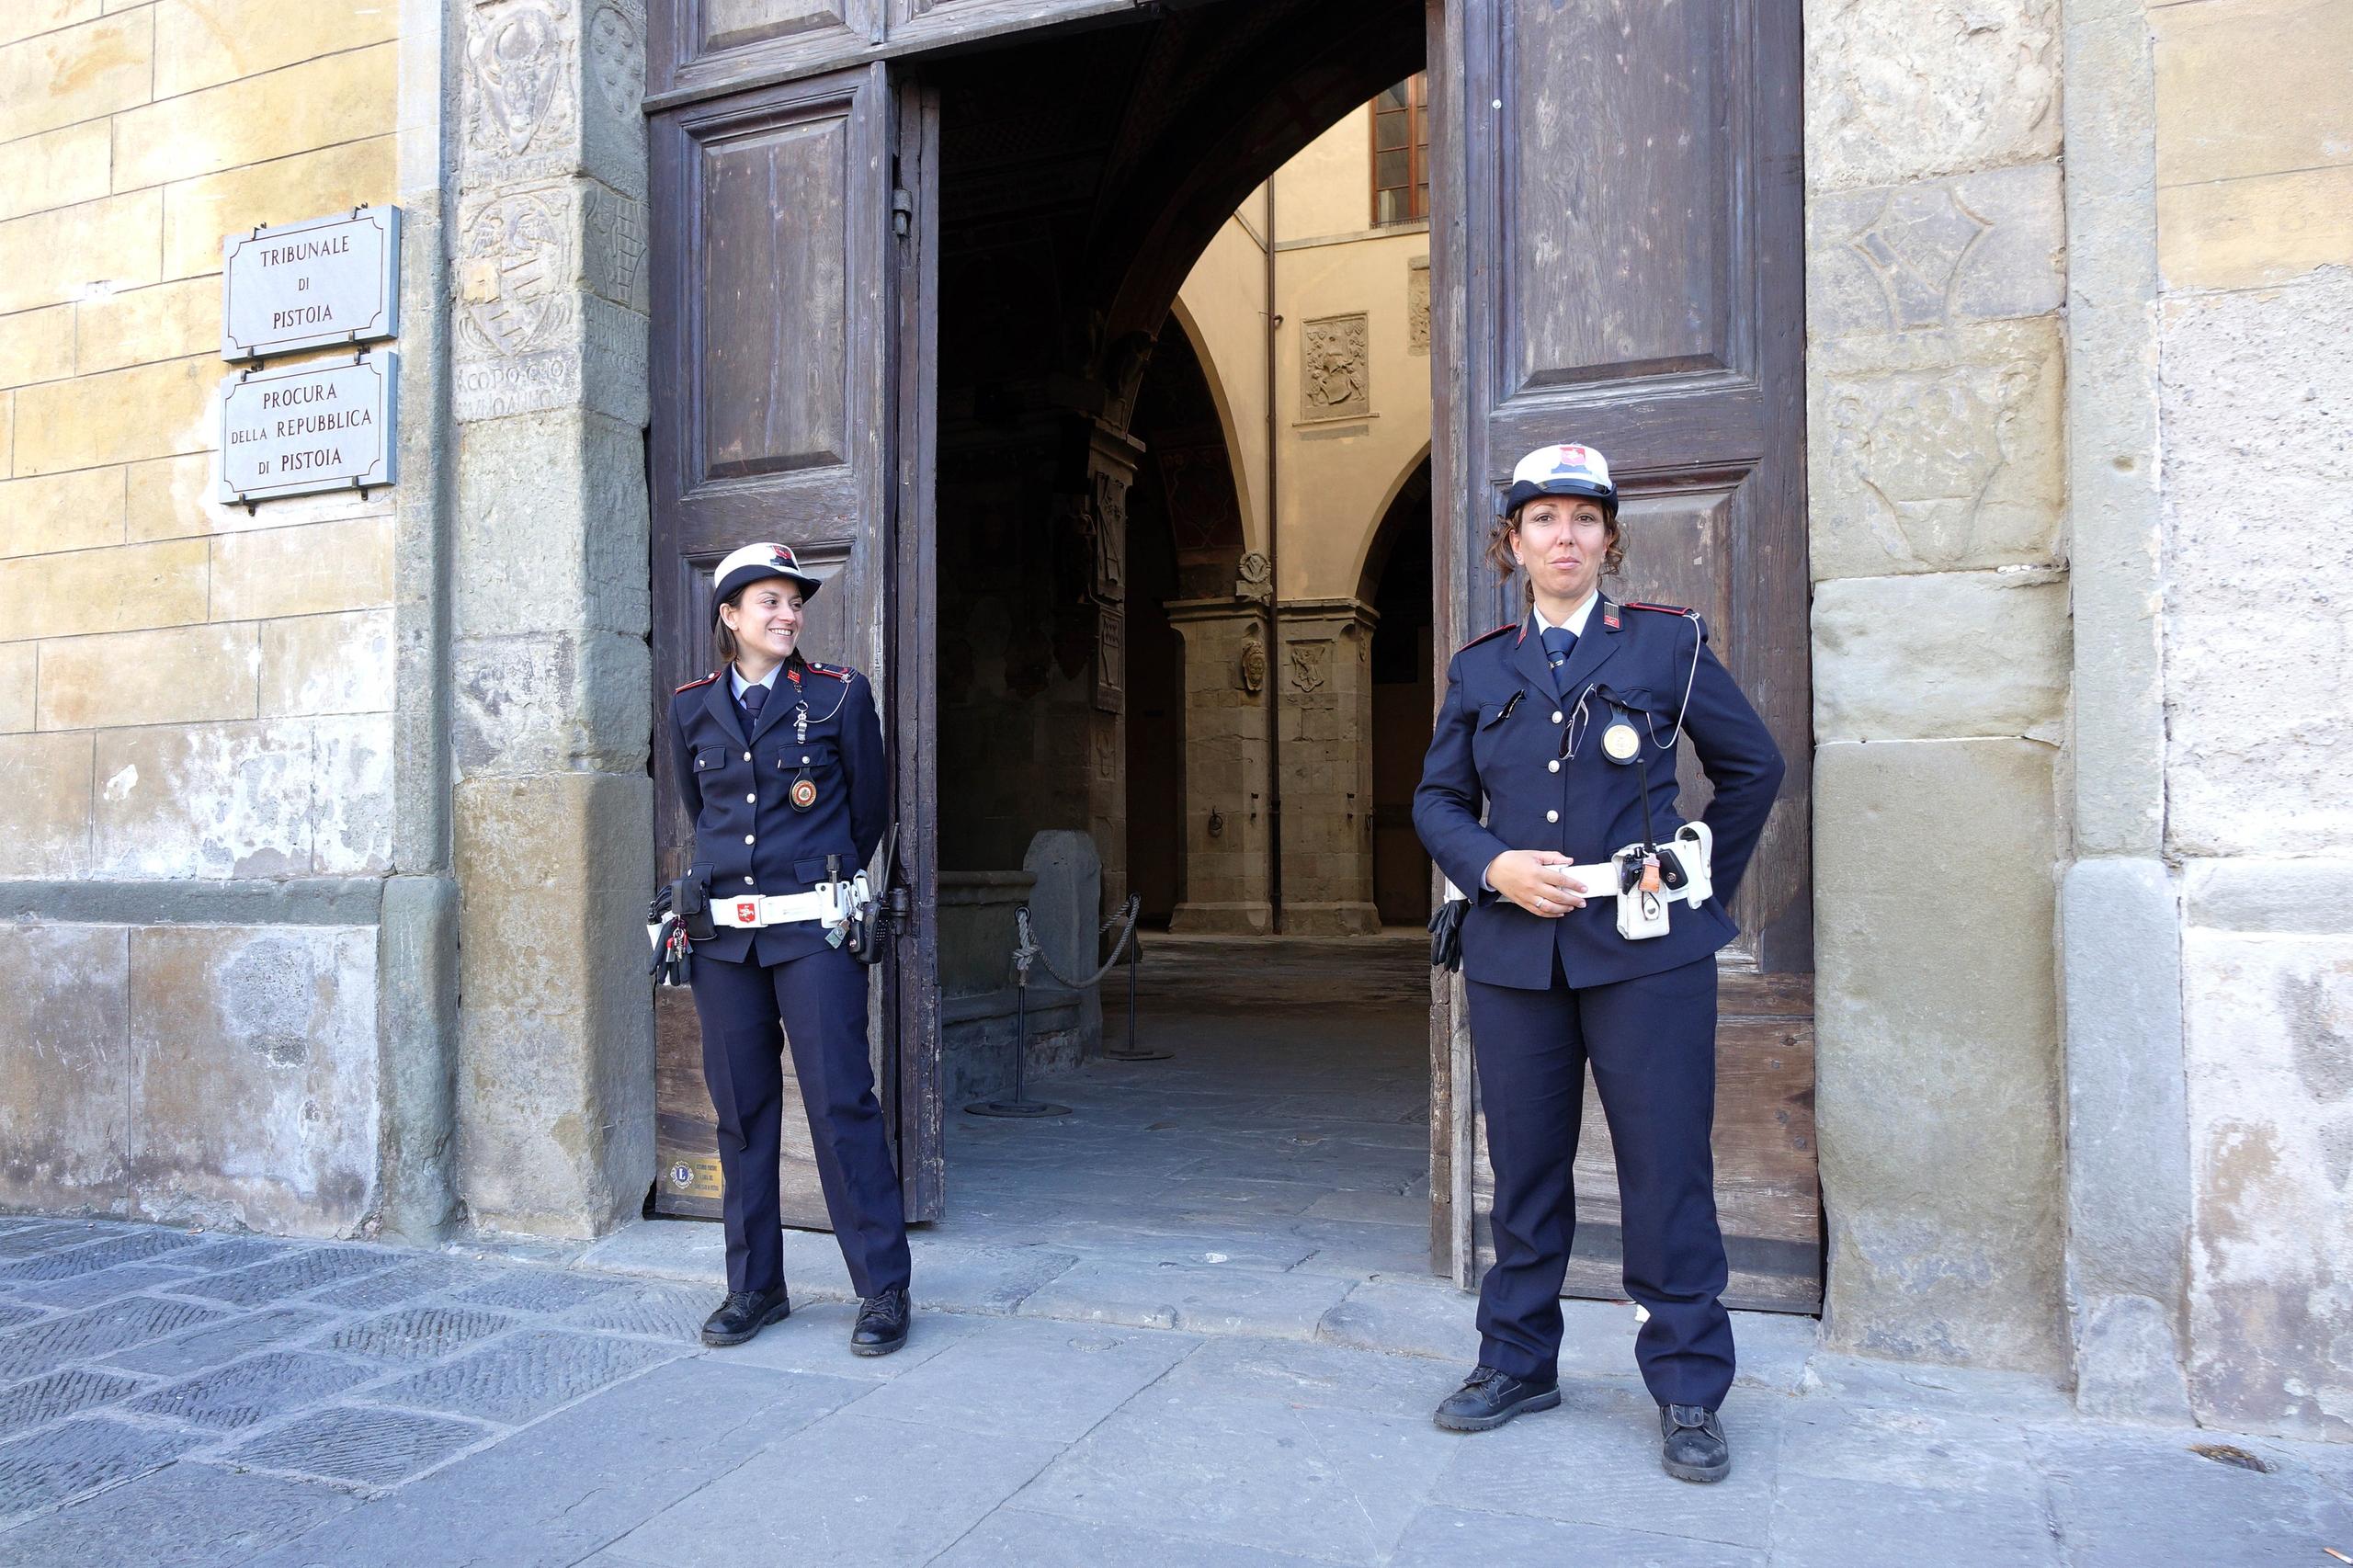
(1113, 663)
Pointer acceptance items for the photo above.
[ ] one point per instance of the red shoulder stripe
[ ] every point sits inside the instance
(692, 684)
(839, 672)
(1663, 609)
(1484, 636)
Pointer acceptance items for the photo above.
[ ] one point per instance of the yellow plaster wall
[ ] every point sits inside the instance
(245, 659)
(2255, 139)
(1334, 477)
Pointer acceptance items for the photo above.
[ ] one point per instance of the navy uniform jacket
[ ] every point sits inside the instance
(1488, 786)
(748, 838)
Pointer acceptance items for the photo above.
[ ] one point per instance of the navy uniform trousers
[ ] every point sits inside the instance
(818, 731)
(1651, 1042)
(1516, 763)
(818, 1002)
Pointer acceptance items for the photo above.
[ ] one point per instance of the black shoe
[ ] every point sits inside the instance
(1695, 1448)
(1490, 1398)
(744, 1314)
(881, 1324)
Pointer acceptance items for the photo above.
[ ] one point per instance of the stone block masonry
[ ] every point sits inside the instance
(1937, 445)
(193, 925)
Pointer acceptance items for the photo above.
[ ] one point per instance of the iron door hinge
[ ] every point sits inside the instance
(903, 212)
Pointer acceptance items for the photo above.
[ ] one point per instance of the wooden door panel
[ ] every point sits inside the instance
(1632, 219)
(774, 375)
(1616, 233)
(708, 44)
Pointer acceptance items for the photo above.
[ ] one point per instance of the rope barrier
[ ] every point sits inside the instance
(1026, 949)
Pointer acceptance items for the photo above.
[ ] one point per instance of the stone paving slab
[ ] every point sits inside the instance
(221, 1341)
(1447, 1538)
(89, 1258)
(1207, 1299)
(525, 1374)
(1246, 1471)
(1011, 1535)
(42, 1347)
(187, 1515)
(361, 1445)
(246, 1393)
(291, 1276)
(105, 1284)
(1047, 1380)
(581, 1421)
(551, 1494)
(843, 1485)
(1821, 1519)
(36, 1402)
(61, 1463)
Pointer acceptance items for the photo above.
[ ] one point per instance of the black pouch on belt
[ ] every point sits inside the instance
(690, 901)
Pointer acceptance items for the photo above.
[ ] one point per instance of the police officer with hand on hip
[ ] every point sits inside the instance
(1549, 794)
(780, 762)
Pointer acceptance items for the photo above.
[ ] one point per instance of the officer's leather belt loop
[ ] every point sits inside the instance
(749, 914)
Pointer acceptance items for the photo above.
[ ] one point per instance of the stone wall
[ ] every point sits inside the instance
(1936, 374)
(195, 704)
(2254, 195)
(552, 805)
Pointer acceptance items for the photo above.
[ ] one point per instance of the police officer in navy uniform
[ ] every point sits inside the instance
(779, 761)
(1553, 731)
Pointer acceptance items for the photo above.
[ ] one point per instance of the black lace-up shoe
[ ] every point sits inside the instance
(1694, 1449)
(1489, 1398)
(744, 1314)
(881, 1324)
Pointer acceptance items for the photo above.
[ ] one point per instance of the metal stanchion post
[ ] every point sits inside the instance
(1020, 1105)
(1136, 947)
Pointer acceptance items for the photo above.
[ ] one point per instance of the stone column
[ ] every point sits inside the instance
(1935, 463)
(1324, 679)
(1228, 822)
(2128, 1148)
(552, 807)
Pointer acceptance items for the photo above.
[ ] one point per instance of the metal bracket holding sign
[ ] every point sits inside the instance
(325, 282)
(308, 428)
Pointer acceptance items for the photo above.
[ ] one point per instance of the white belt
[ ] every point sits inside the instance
(1599, 881)
(754, 911)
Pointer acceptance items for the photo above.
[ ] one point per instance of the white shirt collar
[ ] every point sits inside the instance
(1574, 625)
(767, 680)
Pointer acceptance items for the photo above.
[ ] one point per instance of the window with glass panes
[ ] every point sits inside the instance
(1401, 153)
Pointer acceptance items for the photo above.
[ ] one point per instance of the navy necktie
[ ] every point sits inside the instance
(754, 698)
(1558, 643)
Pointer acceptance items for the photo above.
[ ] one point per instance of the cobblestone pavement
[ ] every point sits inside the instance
(172, 1398)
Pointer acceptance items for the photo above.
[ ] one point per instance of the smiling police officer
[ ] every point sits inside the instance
(1549, 789)
(780, 762)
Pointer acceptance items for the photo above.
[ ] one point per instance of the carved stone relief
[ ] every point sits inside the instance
(1111, 527)
(616, 247)
(1418, 305)
(514, 272)
(1310, 662)
(1335, 368)
(520, 101)
(1257, 580)
(1250, 669)
(1110, 659)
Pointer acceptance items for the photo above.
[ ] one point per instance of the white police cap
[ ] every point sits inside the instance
(1560, 470)
(753, 562)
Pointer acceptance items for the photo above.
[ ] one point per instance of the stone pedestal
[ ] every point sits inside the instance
(1325, 680)
(1228, 814)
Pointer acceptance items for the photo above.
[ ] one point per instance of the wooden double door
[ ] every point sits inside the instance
(1615, 258)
